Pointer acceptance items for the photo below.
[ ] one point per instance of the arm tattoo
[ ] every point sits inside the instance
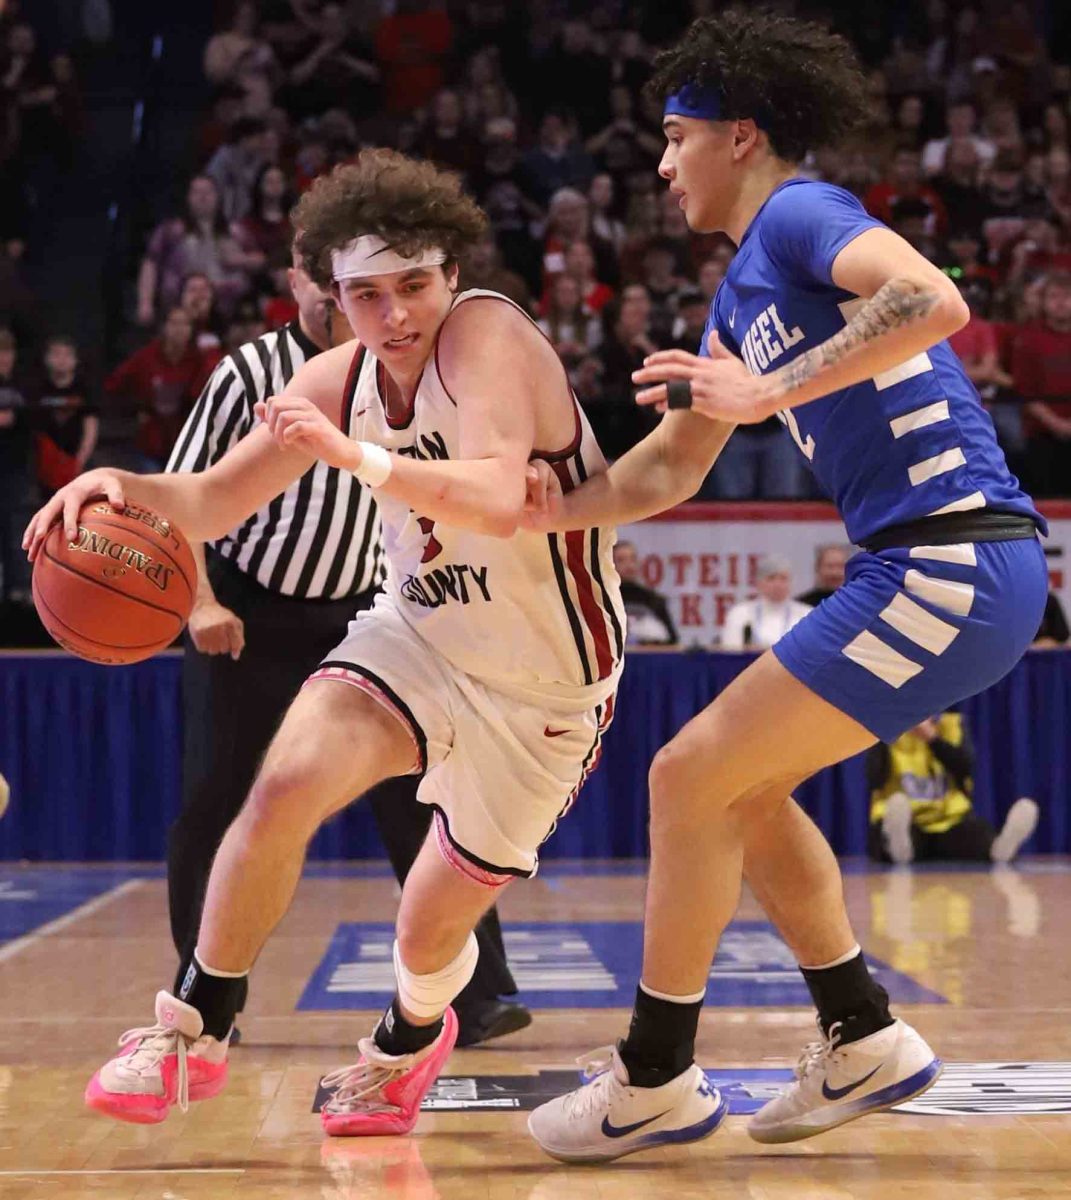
(897, 303)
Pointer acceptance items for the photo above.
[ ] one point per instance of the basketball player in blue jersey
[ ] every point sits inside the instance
(838, 326)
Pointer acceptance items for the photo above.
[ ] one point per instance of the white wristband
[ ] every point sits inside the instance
(376, 464)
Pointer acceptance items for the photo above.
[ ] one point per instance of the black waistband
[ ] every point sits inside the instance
(980, 525)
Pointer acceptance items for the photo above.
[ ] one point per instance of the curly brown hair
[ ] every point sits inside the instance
(412, 205)
(798, 81)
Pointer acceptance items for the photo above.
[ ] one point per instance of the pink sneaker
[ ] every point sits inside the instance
(382, 1093)
(160, 1066)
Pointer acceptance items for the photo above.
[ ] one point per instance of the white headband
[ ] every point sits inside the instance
(370, 255)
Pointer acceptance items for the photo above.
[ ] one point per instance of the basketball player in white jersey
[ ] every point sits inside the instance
(490, 661)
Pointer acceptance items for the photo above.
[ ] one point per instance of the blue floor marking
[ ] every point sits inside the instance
(587, 964)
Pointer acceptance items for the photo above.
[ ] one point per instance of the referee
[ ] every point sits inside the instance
(273, 597)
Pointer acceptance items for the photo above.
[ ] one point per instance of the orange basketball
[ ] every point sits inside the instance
(122, 590)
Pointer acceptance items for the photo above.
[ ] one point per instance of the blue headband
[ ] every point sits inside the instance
(694, 100)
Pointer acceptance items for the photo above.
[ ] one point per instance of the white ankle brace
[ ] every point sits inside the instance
(429, 995)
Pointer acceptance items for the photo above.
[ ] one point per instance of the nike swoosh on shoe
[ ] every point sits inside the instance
(615, 1131)
(840, 1093)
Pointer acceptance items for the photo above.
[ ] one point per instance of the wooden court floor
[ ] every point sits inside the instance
(994, 946)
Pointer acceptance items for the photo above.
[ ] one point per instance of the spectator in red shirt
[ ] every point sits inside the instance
(266, 227)
(411, 47)
(161, 381)
(1041, 365)
(580, 265)
(904, 182)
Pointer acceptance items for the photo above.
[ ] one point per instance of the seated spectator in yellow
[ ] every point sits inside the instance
(920, 800)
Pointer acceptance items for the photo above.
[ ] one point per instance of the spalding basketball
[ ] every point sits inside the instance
(121, 590)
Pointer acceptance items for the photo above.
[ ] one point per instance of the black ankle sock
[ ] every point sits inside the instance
(181, 977)
(661, 1039)
(395, 1035)
(216, 997)
(847, 995)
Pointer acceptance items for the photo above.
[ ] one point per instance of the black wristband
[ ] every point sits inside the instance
(678, 394)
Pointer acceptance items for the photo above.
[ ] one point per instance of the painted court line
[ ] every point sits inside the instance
(83, 910)
(134, 1171)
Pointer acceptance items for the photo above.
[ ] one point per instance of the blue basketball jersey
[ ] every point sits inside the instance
(912, 442)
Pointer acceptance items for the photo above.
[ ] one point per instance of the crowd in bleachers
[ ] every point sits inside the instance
(539, 106)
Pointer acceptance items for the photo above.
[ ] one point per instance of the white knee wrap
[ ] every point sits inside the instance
(429, 995)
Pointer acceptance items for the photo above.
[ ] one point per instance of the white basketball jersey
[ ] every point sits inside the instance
(537, 612)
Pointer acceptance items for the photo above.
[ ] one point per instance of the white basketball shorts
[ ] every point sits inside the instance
(498, 770)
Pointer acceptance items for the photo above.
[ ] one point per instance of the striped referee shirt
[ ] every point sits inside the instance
(318, 540)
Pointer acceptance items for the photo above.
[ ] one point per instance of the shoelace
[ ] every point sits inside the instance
(600, 1083)
(356, 1084)
(820, 1053)
(156, 1042)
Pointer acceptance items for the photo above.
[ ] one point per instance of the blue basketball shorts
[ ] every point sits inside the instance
(915, 630)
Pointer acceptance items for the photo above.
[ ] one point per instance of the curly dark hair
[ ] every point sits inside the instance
(799, 82)
(411, 205)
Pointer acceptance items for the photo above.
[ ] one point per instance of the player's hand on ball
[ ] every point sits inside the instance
(67, 504)
(722, 387)
(543, 501)
(215, 629)
(297, 424)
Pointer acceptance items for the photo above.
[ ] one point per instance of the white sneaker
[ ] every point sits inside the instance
(1019, 824)
(896, 828)
(607, 1118)
(835, 1084)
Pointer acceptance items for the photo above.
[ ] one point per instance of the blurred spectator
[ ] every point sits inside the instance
(958, 185)
(198, 298)
(661, 277)
(1038, 250)
(757, 624)
(14, 478)
(920, 808)
(580, 265)
(568, 222)
(1007, 202)
(690, 322)
(500, 159)
(484, 95)
(279, 306)
(411, 46)
(445, 139)
(617, 420)
(829, 563)
(1053, 631)
(1058, 185)
(160, 383)
(602, 198)
(712, 271)
(581, 75)
(18, 305)
(237, 165)
(63, 416)
(912, 219)
(571, 326)
(649, 622)
(238, 50)
(338, 68)
(246, 323)
(265, 229)
(908, 123)
(904, 182)
(198, 241)
(759, 462)
(482, 268)
(960, 121)
(557, 160)
(1041, 365)
(623, 144)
